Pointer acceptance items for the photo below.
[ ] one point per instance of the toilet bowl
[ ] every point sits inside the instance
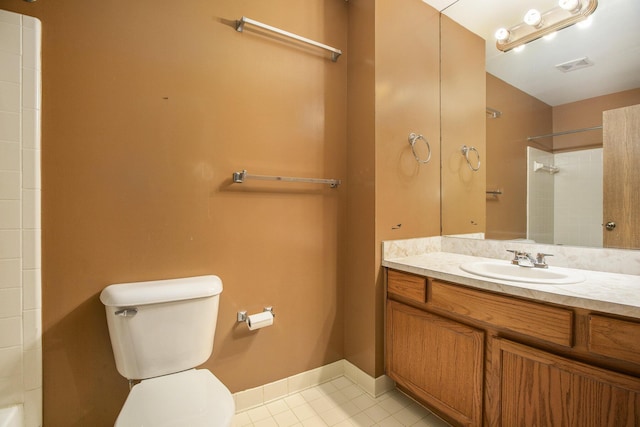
(194, 398)
(160, 331)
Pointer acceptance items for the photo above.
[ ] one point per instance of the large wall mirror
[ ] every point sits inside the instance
(545, 179)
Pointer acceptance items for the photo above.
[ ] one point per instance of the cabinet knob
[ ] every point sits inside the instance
(610, 225)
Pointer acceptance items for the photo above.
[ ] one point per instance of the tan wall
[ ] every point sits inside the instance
(148, 107)
(388, 99)
(359, 293)
(522, 116)
(463, 91)
(407, 100)
(584, 114)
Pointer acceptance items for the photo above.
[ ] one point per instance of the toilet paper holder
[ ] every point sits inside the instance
(242, 315)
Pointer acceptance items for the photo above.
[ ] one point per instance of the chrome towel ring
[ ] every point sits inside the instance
(465, 152)
(413, 138)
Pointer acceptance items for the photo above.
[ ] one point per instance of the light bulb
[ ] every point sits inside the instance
(572, 6)
(519, 48)
(533, 18)
(502, 34)
(550, 36)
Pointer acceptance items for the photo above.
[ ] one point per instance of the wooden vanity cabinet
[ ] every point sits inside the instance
(482, 358)
(438, 360)
(538, 388)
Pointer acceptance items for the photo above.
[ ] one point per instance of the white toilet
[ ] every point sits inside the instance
(160, 331)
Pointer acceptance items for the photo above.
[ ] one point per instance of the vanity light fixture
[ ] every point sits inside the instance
(536, 24)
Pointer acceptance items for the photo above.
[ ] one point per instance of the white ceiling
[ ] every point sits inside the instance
(611, 42)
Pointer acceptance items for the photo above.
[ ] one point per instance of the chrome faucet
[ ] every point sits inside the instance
(525, 259)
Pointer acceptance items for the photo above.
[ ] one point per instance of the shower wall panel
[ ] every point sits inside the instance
(20, 303)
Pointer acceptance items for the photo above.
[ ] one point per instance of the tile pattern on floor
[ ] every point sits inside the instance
(339, 403)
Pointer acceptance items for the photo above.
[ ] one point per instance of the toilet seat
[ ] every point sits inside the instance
(194, 398)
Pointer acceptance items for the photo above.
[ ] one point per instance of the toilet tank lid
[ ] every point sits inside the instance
(159, 291)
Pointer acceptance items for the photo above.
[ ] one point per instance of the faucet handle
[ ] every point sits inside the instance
(540, 260)
(515, 253)
(521, 258)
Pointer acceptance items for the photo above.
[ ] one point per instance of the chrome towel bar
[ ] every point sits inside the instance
(492, 113)
(335, 53)
(239, 177)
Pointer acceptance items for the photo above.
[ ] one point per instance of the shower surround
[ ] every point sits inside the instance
(20, 278)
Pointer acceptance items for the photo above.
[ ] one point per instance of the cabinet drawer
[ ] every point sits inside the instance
(548, 323)
(407, 285)
(615, 338)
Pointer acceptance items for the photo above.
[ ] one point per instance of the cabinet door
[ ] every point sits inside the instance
(438, 360)
(540, 389)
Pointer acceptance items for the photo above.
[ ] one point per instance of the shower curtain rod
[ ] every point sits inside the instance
(566, 132)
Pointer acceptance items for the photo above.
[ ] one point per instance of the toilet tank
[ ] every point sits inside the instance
(161, 327)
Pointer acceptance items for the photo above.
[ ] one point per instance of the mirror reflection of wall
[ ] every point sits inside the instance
(578, 198)
(564, 197)
(540, 195)
(522, 115)
(517, 214)
(462, 122)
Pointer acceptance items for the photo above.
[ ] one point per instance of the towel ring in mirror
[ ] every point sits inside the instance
(465, 152)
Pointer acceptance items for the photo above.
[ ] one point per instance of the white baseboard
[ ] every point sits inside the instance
(257, 396)
(374, 386)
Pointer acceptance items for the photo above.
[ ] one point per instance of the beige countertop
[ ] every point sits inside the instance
(604, 292)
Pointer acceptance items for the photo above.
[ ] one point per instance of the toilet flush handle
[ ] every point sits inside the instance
(127, 312)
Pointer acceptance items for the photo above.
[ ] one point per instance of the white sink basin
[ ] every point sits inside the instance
(504, 270)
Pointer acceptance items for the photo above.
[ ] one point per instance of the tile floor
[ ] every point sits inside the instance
(339, 403)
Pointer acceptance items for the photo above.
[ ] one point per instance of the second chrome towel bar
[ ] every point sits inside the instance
(239, 177)
(335, 53)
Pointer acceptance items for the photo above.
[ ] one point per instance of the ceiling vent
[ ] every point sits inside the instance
(575, 64)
